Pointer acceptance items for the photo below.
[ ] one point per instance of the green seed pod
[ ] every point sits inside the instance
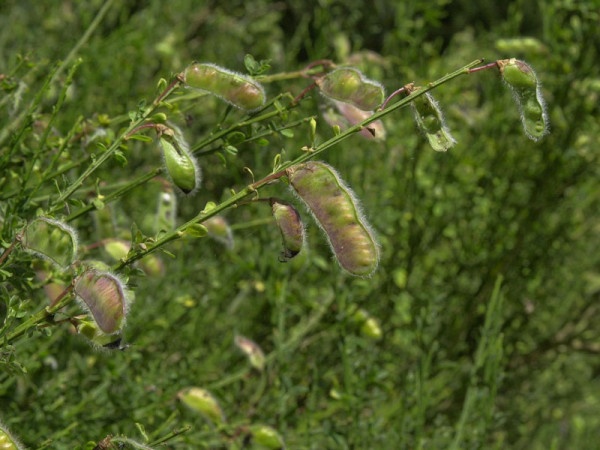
(219, 230)
(90, 330)
(337, 212)
(202, 401)
(7, 441)
(252, 351)
(350, 86)
(116, 248)
(52, 240)
(291, 228)
(524, 45)
(522, 80)
(267, 436)
(104, 296)
(430, 121)
(369, 326)
(238, 90)
(350, 115)
(181, 166)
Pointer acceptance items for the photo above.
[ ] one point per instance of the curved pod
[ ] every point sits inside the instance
(336, 210)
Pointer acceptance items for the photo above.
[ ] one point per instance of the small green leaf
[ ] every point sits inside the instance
(120, 158)
(196, 230)
(262, 142)
(231, 150)
(236, 137)
(287, 133)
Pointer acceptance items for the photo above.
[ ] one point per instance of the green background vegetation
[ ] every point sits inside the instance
(488, 288)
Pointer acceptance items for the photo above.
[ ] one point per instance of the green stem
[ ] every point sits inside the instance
(287, 75)
(115, 145)
(118, 193)
(171, 435)
(252, 188)
(61, 301)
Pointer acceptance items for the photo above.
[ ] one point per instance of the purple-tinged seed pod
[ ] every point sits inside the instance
(104, 296)
(291, 227)
(349, 85)
(236, 89)
(337, 212)
(350, 116)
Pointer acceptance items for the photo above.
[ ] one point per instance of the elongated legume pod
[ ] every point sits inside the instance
(181, 166)
(349, 85)
(267, 437)
(251, 349)
(290, 225)
(202, 401)
(7, 441)
(51, 239)
(236, 89)
(523, 81)
(104, 296)
(430, 121)
(337, 212)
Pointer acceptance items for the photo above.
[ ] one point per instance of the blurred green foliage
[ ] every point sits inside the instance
(488, 288)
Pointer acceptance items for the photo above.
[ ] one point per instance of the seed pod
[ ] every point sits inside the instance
(350, 86)
(7, 441)
(252, 351)
(202, 401)
(89, 329)
(266, 436)
(219, 230)
(430, 121)
(238, 90)
(291, 228)
(116, 248)
(51, 239)
(350, 116)
(181, 166)
(522, 80)
(369, 326)
(337, 212)
(104, 296)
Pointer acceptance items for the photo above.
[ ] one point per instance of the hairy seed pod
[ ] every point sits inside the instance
(337, 212)
(181, 166)
(350, 115)
(7, 441)
(104, 296)
(522, 80)
(52, 240)
(219, 230)
(266, 436)
(291, 228)
(349, 85)
(238, 90)
(430, 121)
(252, 351)
(202, 401)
